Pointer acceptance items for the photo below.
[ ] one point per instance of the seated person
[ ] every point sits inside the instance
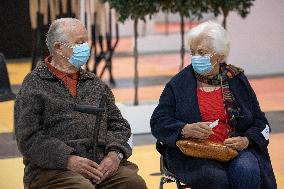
(205, 91)
(62, 147)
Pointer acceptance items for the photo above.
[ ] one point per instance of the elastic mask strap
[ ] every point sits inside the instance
(66, 45)
(210, 59)
(214, 64)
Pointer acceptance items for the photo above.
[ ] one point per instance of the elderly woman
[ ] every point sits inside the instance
(205, 91)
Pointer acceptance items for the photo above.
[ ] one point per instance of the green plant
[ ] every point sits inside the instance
(185, 9)
(224, 7)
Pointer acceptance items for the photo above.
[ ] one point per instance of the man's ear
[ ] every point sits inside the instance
(57, 47)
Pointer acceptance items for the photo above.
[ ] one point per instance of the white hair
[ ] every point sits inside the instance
(57, 31)
(218, 35)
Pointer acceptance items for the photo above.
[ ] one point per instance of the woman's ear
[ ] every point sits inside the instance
(221, 58)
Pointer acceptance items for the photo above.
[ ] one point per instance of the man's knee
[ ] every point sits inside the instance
(77, 181)
(136, 182)
(86, 184)
(128, 178)
(60, 179)
(131, 180)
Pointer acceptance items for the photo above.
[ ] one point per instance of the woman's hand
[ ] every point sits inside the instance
(237, 143)
(200, 130)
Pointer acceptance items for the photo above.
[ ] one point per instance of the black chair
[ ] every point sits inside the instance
(168, 177)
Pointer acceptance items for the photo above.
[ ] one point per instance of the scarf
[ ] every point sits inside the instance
(226, 73)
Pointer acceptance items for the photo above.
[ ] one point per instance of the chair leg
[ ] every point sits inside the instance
(161, 183)
(179, 186)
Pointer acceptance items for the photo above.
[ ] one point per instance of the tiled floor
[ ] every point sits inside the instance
(146, 158)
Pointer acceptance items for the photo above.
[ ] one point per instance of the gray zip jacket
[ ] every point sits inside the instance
(48, 129)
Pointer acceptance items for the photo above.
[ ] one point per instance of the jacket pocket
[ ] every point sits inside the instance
(81, 146)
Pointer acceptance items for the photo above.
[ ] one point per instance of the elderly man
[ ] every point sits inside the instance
(63, 146)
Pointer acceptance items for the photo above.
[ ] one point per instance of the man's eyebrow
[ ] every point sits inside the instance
(201, 49)
(82, 39)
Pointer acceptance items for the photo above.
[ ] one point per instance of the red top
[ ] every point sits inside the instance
(70, 80)
(212, 107)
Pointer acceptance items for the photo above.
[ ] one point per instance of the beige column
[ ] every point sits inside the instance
(53, 9)
(64, 6)
(100, 9)
(76, 8)
(44, 10)
(34, 7)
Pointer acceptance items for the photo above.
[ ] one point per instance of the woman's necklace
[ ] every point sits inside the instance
(202, 88)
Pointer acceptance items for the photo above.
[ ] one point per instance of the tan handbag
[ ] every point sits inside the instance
(206, 149)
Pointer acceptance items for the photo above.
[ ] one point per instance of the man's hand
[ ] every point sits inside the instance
(87, 168)
(108, 166)
(237, 143)
(200, 130)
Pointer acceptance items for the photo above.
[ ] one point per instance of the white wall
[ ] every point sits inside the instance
(138, 116)
(127, 28)
(257, 42)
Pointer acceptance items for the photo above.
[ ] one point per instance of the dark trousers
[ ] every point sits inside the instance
(125, 178)
(243, 172)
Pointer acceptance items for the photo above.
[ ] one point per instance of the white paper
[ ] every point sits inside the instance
(265, 132)
(214, 124)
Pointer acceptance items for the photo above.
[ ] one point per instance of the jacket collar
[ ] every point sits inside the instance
(185, 86)
(44, 72)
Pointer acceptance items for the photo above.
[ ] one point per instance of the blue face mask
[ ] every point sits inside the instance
(202, 64)
(80, 56)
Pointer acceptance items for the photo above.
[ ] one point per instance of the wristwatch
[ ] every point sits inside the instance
(119, 155)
